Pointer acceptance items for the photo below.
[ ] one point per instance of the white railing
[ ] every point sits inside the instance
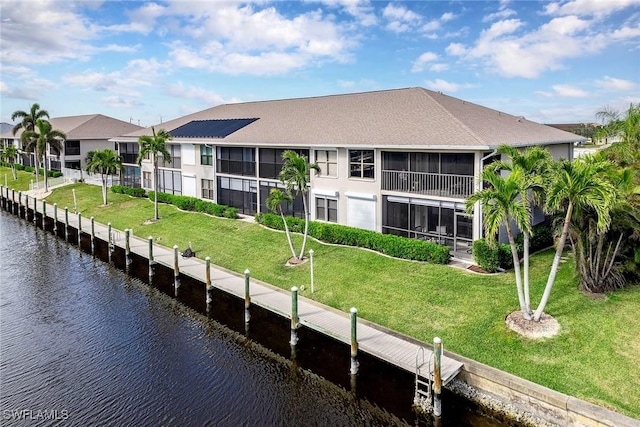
(457, 186)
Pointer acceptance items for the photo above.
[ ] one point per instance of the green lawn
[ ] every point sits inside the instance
(595, 357)
(21, 184)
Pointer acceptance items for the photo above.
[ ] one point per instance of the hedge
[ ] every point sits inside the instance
(492, 257)
(389, 244)
(131, 191)
(541, 238)
(187, 203)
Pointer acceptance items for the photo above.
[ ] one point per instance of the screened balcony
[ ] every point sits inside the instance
(433, 174)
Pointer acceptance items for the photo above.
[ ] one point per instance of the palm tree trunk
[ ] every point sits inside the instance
(288, 233)
(155, 186)
(37, 162)
(556, 262)
(104, 188)
(13, 171)
(516, 267)
(46, 175)
(306, 225)
(525, 255)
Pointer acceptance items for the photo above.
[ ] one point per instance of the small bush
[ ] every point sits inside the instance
(19, 167)
(492, 257)
(395, 246)
(29, 169)
(131, 191)
(231, 213)
(541, 238)
(188, 203)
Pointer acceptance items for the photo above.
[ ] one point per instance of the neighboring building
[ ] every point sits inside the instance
(84, 134)
(5, 127)
(397, 161)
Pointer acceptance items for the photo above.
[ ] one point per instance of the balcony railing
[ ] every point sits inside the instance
(433, 184)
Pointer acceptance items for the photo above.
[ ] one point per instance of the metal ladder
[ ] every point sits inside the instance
(422, 394)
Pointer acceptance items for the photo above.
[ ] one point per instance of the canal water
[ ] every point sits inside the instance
(81, 343)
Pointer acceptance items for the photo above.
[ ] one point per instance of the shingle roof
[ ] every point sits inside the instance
(90, 126)
(412, 117)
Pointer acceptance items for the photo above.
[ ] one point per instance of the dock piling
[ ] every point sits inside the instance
(79, 229)
(354, 341)
(55, 219)
(150, 258)
(127, 249)
(44, 214)
(208, 288)
(93, 236)
(437, 377)
(294, 316)
(66, 223)
(247, 296)
(176, 269)
(109, 243)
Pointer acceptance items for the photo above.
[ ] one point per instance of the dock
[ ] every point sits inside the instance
(375, 340)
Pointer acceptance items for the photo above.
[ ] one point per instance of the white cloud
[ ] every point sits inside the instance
(362, 10)
(509, 48)
(205, 96)
(502, 14)
(442, 85)
(612, 83)
(119, 102)
(438, 67)
(588, 7)
(418, 64)
(234, 38)
(400, 18)
(53, 31)
(569, 91)
(447, 16)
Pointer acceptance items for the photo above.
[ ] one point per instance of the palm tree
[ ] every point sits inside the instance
(42, 141)
(576, 186)
(28, 123)
(154, 145)
(296, 176)
(503, 205)
(9, 154)
(274, 202)
(105, 162)
(534, 163)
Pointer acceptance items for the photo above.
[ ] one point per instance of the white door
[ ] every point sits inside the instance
(189, 186)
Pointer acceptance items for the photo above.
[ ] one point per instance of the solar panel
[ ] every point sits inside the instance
(216, 128)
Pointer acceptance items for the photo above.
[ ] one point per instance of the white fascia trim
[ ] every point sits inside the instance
(189, 175)
(360, 196)
(326, 193)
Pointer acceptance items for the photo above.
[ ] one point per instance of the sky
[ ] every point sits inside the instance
(149, 62)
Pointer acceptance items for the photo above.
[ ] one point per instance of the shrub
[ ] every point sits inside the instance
(188, 203)
(231, 213)
(541, 238)
(131, 191)
(492, 257)
(19, 167)
(29, 169)
(395, 246)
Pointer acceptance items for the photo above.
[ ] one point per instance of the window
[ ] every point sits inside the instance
(129, 152)
(328, 162)
(237, 161)
(72, 165)
(206, 155)
(169, 181)
(238, 193)
(294, 209)
(146, 179)
(361, 163)
(271, 161)
(207, 189)
(326, 209)
(72, 148)
(131, 176)
(174, 153)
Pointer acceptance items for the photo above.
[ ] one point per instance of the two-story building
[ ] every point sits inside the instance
(396, 161)
(84, 133)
